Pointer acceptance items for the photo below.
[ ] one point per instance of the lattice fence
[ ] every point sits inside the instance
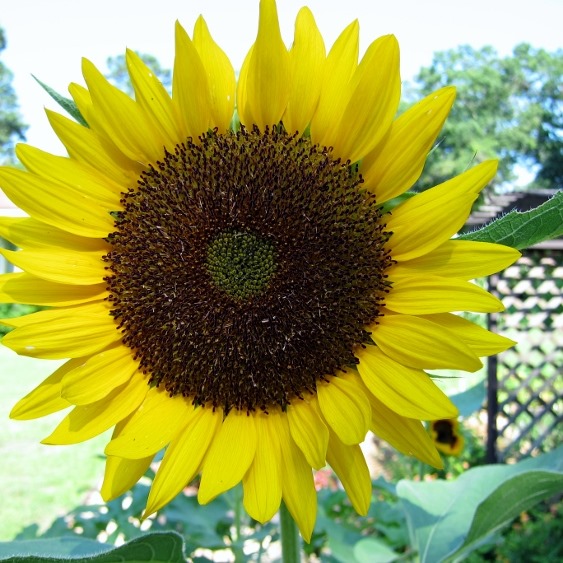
(525, 395)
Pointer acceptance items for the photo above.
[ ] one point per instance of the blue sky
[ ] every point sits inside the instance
(48, 37)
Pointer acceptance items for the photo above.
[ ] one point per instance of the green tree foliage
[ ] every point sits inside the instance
(509, 108)
(117, 72)
(12, 127)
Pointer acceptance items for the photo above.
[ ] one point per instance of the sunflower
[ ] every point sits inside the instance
(228, 284)
(447, 436)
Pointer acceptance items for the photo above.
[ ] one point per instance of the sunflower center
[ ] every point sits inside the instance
(241, 263)
(245, 267)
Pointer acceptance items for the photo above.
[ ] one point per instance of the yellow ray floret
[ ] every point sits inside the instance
(341, 63)
(394, 384)
(309, 431)
(395, 164)
(462, 259)
(28, 289)
(263, 481)
(263, 88)
(307, 65)
(220, 75)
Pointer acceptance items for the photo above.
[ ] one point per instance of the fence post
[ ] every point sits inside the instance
(492, 385)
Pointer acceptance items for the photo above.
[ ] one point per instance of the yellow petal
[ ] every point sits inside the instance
(405, 434)
(82, 99)
(85, 146)
(154, 99)
(60, 266)
(121, 119)
(121, 474)
(67, 172)
(99, 375)
(459, 259)
(183, 458)
(85, 422)
(480, 340)
(220, 76)
(395, 164)
(375, 90)
(229, 456)
(144, 434)
(263, 481)
(425, 221)
(68, 208)
(308, 431)
(190, 87)
(307, 59)
(350, 465)
(345, 408)
(62, 333)
(422, 344)
(25, 288)
(432, 294)
(341, 62)
(26, 232)
(266, 78)
(242, 106)
(298, 487)
(407, 391)
(46, 397)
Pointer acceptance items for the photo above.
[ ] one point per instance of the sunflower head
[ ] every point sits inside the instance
(223, 281)
(221, 251)
(447, 436)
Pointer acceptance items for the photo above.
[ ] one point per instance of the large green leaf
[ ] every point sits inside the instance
(373, 550)
(68, 547)
(156, 547)
(440, 514)
(512, 498)
(341, 540)
(523, 229)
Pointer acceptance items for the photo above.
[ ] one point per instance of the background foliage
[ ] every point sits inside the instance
(506, 107)
(12, 128)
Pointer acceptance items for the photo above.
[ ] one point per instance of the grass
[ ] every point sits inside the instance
(39, 483)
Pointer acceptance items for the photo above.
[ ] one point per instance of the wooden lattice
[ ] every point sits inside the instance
(526, 383)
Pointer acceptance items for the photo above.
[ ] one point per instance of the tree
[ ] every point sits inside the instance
(117, 72)
(509, 108)
(12, 128)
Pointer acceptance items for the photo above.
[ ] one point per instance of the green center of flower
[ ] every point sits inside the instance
(241, 263)
(246, 267)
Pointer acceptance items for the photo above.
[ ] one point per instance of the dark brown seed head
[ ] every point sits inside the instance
(245, 267)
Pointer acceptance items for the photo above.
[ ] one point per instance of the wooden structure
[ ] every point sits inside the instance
(525, 383)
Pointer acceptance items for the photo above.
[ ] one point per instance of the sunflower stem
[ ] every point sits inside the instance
(290, 542)
(237, 547)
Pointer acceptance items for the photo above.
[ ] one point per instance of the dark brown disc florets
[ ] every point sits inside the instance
(244, 268)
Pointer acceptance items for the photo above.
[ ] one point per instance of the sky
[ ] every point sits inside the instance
(48, 38)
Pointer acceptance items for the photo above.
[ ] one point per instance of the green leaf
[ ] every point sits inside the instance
(48, 549)
(373, 550)
(155, 547)
(440, 513)
(66, 103)
(341, 541)
(523, 229)
(512, 498)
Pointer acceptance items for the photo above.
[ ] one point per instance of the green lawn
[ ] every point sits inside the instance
(39, 483)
